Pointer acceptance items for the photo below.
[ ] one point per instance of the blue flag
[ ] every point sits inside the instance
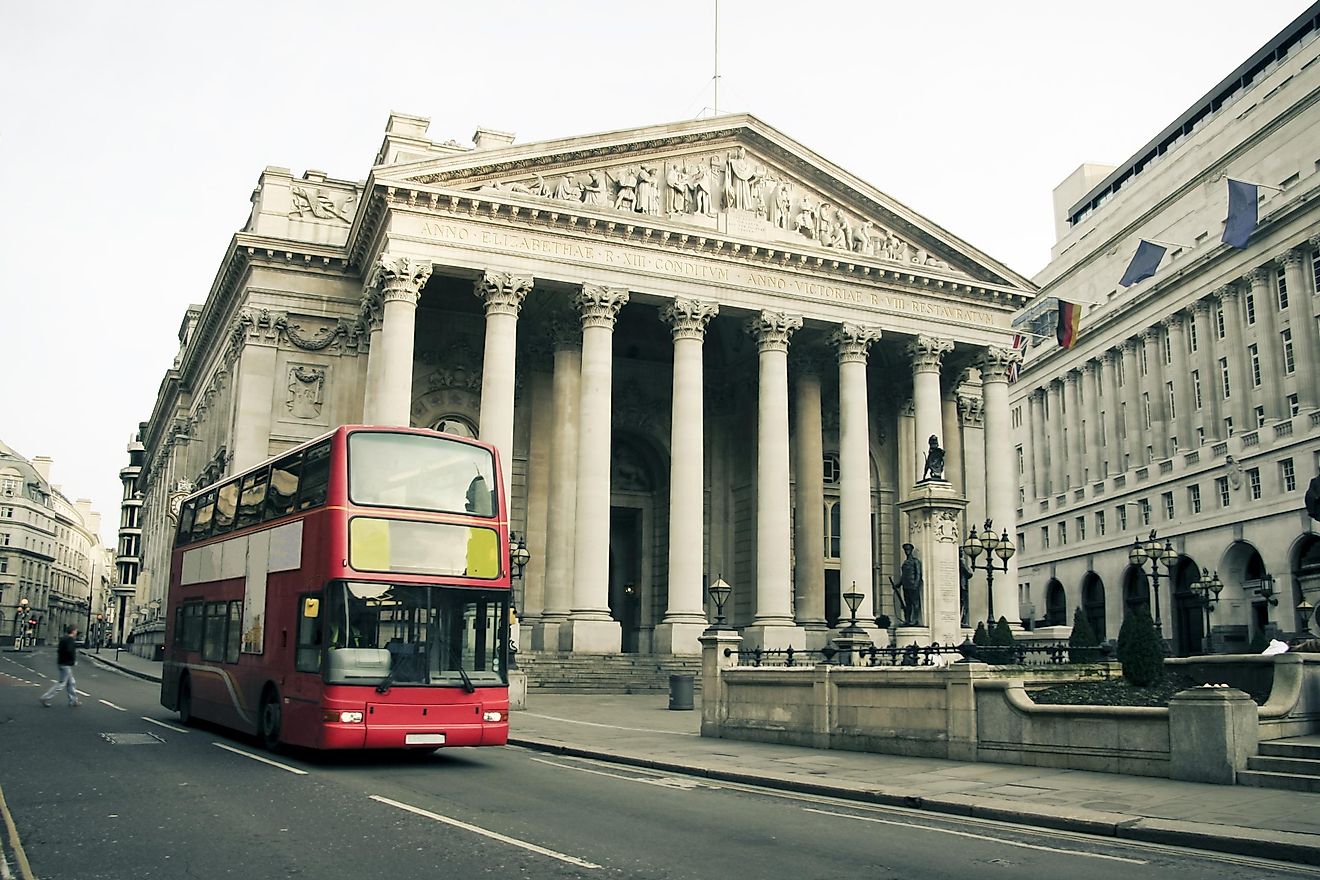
(1241, 220)
(1144, 263)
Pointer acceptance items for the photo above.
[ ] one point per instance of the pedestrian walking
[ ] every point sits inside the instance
(67, 655)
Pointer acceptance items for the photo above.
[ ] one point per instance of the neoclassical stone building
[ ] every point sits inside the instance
(702, 349)
(1189, 405)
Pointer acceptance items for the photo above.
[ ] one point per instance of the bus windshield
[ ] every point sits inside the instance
(411, 635)
(422, 473)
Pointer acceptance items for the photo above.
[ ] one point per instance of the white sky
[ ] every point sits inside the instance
(132, 133)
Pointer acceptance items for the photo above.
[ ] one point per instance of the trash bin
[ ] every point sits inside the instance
(158, 654)
(680, 691)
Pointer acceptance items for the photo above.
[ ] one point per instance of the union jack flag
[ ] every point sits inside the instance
(1019, 343)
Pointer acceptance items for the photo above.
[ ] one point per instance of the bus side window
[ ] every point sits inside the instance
(205, 512)
(315, 477)
(283, 491)
(234, 633)
(252, 498)
(226, 503)
(213, 630)
(192, 626)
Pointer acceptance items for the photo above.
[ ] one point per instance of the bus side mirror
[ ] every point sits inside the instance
(311, 607)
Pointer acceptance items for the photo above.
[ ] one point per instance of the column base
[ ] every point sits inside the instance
(591, 636)
(545, 635)
(774, 636)
(818, 634)
(912, 635)
(679, 636)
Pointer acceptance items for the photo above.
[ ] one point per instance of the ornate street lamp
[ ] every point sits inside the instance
(1151, 549)
(987, 543)
(1208, 588)
(719, 594)
(1265, 589)
(21, 624)
(853, 598)
(519, 556)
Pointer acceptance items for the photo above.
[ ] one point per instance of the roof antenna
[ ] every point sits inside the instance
(717, 57)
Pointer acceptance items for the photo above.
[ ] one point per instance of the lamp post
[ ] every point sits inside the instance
(853, 598)
(719, 594)
(519, 556)
(1208, 588)
(1265, 589)
(21, 624)
(1157, 554)
(986, 542)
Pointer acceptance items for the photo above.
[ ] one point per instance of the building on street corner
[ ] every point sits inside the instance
(702, 350)
(1184, 418)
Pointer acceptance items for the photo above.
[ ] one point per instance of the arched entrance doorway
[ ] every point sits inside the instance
(1306, 578)
(1056, 604)
(1093, 603)
(1136, 590)
(1189, 631)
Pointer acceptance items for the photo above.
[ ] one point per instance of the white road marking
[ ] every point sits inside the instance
(663, 781)
(610, 726)
(81, 693)
(493, 835)
(923, 827)
(164, 725)
(110, 704)
(260, 758)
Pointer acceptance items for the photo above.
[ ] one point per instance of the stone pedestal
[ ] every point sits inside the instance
(852, 647)
(774, 637)
(517, 689)
(933, 512)
(590, 635)
(1212, 733)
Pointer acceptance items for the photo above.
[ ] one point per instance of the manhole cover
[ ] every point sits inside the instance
(132, 739)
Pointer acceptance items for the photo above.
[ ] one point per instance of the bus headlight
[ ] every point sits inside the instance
(334, 715)
(492, 716)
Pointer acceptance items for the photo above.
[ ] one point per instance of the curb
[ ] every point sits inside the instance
(110, 664)
(1285, 846)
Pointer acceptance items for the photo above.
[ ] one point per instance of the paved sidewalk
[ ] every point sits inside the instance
(641, 731)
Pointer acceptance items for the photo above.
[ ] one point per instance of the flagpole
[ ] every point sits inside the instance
(1168, 243)
(1254, 183)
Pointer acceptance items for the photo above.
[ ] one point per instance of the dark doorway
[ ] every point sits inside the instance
(1093, 604)
(626, 574)
(1056, 604)
(833, 598)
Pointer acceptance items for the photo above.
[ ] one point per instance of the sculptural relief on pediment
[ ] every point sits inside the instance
(729, 191)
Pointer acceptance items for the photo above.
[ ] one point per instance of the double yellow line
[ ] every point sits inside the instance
(24, 869)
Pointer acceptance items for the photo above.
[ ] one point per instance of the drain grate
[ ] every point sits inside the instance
(132, 739)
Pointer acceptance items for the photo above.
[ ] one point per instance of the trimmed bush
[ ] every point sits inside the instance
(980, 637)
(1083, 644)
(1140, 650)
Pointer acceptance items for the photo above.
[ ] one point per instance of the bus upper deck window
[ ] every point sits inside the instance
(283, 490)
(226, 504)
(252, 497)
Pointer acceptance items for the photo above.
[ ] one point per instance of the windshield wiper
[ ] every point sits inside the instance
(468, 686)
(384, 686)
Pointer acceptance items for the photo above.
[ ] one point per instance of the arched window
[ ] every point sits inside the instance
(1056, 604)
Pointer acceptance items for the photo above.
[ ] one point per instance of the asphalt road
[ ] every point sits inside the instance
(118, 789)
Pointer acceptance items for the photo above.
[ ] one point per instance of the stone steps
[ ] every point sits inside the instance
(1288, 764)
(1284, 781)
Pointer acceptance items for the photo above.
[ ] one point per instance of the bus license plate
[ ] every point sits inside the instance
(424, 739)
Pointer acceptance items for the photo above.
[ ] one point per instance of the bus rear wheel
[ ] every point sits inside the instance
(270, 721)
(185, 703)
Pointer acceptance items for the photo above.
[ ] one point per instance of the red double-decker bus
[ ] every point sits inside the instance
(350, 593)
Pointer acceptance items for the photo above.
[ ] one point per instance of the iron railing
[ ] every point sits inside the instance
(1022, 653)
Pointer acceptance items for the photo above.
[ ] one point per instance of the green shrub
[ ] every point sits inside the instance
(998, 647)
(1084, 645)
(1140, 650)
(980, 637)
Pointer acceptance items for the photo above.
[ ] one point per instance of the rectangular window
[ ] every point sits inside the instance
(1228, 427)
(1168, 396)
(1081, 528)
(1259, 413)
(1221, 487)
(1294, 406)
(1196, 388)
(1099, 523)
(1143, 507)
(1253, 483)
(213, 630)
(1143, 366)
(1192, 344)
(1289, 358)
(1315, 269)
(1121, 510)
(252, 497)
(1194, 498)
(1286, 475)
(282, 492)
(1021, 462)
(1219, 321)
(1063, 534)
(1166, 345)
(226, 505)
(1223, 377)
(1253, 353)
(1168, 505)
(1250, 300)
(315, 479)
(1281, 285)
(1045, 537)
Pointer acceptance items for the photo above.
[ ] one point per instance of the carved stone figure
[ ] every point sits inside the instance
(596, 190)
(860, 238)
(738, 181)
(567, 190)
(912, 583)
(626, 198)
(699, 180)
(305, 392)
(676, 190)
(320, 205)
(934, 461)
(648, 191)
(805, 220)
(783, 206)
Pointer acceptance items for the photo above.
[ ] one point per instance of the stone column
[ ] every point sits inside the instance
(561, 512)
(926, 353)
(1095, 451)
(1181, 376)
(1301, 321)
(1054, 405)
(852, 341)
(1040, 478)
(1000, 496)
(370, 312)
(1207, 365)
(401, 279)
(503, 295)
(1269, 346)
(808, 498)
(1071, 425)
(1239, 373)
(951, 432)
(1109, 362)
(1159, 423)
(1133, 430)
(591, 628)
(685, 618)
(772, 626)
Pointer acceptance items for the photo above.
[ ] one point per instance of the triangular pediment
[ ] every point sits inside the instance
(733, 176)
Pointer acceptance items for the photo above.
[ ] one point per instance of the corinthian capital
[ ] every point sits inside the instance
(599, 305)
(997, 362)
(688, 318)
(771, 330)
(1258, 277)
(502, 292)
(927, 351)
(1174, 321)
(400, 277)
(852, 341)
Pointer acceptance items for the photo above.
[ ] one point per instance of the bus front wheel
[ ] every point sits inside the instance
(270, 721)
(185, 703)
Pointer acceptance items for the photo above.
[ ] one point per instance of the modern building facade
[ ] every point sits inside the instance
(1187, 409)
(702, 350)
(52, 564)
